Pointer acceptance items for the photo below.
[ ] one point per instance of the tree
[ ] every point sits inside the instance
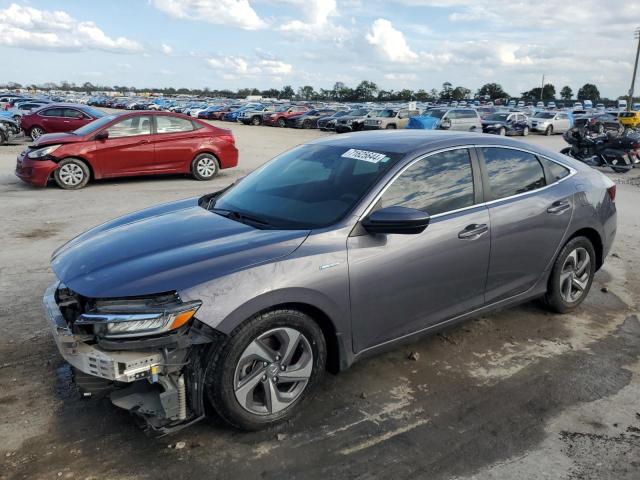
(493, 91)
(306, 93)
(588, 92)
(460, 93)
(445, 93)
(366, 91)
(287, 92)
(566, 93)
(548, 93)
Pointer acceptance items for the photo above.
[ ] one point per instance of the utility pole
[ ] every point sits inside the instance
(542, 87)
(635, 69)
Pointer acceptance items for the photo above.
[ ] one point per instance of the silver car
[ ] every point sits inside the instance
(550, 122)
(333, 251)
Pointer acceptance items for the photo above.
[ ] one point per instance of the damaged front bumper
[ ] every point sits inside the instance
(158, 380)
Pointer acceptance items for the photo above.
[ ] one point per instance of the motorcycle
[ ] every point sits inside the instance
(620, 152)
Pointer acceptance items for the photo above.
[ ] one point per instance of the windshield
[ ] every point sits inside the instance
(435, 113)
(361, 112)
(341, 113)
(311, 186)
(387, 114)
(544, 115)
(95, 125)
(497, 117)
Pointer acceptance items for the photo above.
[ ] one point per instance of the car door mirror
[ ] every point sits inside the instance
(401, 220)
(102, 135)
(445, 123)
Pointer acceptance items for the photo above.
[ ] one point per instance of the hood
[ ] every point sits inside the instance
(169, 247)
(57, 138)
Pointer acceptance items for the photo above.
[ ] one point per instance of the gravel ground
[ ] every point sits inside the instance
(518, 394)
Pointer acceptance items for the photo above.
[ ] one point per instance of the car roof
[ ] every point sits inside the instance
(413, 141)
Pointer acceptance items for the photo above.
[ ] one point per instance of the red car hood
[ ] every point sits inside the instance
(57, 139)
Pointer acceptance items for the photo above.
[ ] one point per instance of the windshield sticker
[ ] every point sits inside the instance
(372, 157)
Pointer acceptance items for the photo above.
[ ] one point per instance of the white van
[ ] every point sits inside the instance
(622, 104)
(577, 106)
(588, 104)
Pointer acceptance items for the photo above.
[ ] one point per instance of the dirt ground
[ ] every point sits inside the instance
(520, 394)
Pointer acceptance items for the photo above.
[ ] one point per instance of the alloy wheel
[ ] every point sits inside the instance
(36, 132)
(574, 277)
(206, 167)
(71, 174)
(273, 371)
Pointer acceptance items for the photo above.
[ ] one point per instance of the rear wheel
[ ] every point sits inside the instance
(268, 367)
(525, 131)
(549, 130)
(204, 167)
(36, 132)
(282, 122)
(255, 121)
(72, 174)
(391, 126)
(502, 132)
(571, 276)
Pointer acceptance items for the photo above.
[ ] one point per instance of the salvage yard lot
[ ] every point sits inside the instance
(518, 394)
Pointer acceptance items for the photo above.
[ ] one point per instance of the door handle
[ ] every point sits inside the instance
(559, 207)
(473, 231)
(143, 141)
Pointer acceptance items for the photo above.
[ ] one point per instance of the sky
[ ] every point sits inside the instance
(271, 43)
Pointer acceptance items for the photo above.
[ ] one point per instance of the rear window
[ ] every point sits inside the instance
(168, 124)
(51, 112)
(556, 171)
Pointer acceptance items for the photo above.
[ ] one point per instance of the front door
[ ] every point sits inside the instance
(528, 221)
(400, 284)
(128, 150)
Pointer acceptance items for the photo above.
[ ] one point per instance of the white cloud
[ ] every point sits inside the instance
(237, 66)
(235, 13)
(28, 27)
(389, 42)
(166, 49)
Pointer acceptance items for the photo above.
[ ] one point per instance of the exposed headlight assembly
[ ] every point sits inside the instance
(138, 317)
(42, 152)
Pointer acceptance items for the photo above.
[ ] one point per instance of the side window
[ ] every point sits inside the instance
(436, 184)
(470, 114)
(512, 171)
(72, 113)
(556, 170)
(129, 127)
(452, 114)
(52, 112)
(167, 124)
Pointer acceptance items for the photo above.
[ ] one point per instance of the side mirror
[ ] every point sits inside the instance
(401, 220)
(103, 135)
(445, 123)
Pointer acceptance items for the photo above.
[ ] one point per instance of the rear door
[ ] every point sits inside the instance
(52, 120)
(400, 284)
(128, 150)
(175, 143)
(530, 209)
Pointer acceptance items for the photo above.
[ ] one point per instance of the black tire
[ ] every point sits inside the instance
(502, 132)
(566, 151)
(36, 132)
(72, 174)
(3, 138)
(306, 124)
(255, 121)
(220, 377)
(282, 122)
(525, 131)
(391, 126)
(553, 298)
(549, 131)
(205, 166)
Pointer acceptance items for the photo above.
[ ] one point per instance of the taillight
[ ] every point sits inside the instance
(227, 137)
(612, 192)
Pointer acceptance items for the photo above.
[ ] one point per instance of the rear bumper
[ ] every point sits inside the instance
(35, 172)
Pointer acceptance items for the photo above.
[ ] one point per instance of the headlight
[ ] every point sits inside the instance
(42, 152)
(138, 317)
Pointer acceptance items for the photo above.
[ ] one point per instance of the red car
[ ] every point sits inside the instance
(279, 117)
(129, 144)
(58, 117)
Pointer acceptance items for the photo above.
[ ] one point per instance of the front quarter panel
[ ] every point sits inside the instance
(316, 274)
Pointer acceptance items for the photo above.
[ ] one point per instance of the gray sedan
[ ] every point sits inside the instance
(332, 251)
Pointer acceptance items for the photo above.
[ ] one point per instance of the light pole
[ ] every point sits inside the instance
(542, 88)
(635, 69)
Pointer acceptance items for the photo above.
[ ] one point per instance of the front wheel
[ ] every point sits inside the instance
(255, 121)
(549, 131)
(72, 174)
(571, 276)
(36, 132)
(282, 122)
(204, 167)
(525, 131)
(502, 132)
(268, 367)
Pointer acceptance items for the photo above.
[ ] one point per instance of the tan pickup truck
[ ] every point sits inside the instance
(390, 119)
